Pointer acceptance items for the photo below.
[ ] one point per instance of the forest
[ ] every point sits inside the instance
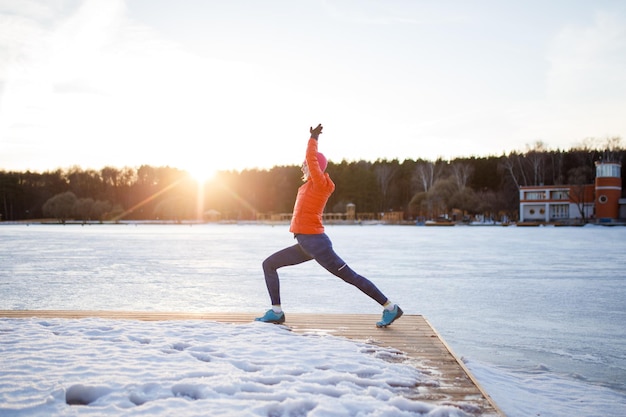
(419, 189)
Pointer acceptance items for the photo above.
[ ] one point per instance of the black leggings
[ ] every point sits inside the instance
(320, 248)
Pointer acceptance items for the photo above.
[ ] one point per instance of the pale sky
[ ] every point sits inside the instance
(213, 85)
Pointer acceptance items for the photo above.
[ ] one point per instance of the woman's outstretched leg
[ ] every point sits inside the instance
(321, 248)
(292, 255)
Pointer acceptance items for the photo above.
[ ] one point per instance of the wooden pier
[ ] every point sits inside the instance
(412, 335)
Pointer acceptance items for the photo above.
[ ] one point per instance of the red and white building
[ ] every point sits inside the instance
(608, 190)
(561, 203)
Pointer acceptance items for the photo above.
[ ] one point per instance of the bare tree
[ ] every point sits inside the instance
(611, 149)
(82, 208)
(440, 197)
(579, 178)
(426, 174)
(60, 206)
(526, 169)
(384, 174)
(588, 151)
(535, 157)
(461, 173)
(100, 209)
(510, 165)
(557, 159)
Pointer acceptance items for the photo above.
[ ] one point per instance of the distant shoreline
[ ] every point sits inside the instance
(52, 222)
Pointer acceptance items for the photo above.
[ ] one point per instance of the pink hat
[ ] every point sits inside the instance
(321, 159)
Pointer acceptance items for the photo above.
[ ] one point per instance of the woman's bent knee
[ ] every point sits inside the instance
(269, 264)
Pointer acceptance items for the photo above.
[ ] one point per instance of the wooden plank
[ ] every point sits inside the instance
(412, 336)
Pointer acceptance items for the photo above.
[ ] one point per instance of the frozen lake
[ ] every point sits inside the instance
(542, 306)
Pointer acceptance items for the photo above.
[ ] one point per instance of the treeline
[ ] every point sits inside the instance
(487, 186)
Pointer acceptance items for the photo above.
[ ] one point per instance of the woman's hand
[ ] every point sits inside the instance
(316, 132)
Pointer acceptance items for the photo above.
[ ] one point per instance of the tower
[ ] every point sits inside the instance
(608, 189)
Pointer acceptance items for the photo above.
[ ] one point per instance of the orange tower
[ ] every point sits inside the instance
(608, 189)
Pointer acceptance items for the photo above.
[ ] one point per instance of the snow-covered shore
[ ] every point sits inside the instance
(104, 367)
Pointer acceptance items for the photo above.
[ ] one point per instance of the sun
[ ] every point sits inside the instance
(201, 173)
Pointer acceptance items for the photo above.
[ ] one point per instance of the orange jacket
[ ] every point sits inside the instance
(312, 196)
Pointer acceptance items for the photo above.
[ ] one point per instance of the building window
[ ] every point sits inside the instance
(559, 211)
(560, 195)
(608, 170)
(535, 195)
(603, 199)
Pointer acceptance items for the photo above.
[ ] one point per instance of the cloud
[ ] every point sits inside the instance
(391, 13)
(589, 61)
(118, 85)
(96, 88)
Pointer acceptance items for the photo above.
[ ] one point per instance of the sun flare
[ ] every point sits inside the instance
(201, 173)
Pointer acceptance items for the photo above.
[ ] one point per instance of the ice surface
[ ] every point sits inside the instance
(537, 313)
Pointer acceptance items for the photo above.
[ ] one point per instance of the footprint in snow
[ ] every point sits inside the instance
(84, 395)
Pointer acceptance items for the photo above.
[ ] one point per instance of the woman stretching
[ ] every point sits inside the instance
(313, 243)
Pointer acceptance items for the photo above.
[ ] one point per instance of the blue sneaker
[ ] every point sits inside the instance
(390, 316)
(272, 317)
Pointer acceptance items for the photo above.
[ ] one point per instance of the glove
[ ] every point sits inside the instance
(316, 132)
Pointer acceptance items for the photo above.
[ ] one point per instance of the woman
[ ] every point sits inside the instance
(313, 243)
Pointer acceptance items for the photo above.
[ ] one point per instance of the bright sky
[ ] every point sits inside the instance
(208, 84)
